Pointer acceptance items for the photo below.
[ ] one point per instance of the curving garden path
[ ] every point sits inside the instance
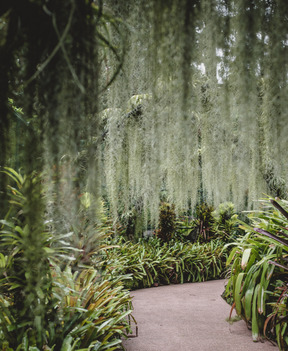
(188, 317)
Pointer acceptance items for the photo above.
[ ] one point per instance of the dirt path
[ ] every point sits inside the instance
(188, 317)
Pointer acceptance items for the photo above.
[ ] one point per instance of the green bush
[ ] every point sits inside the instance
(209, 224)
(91, 312)
(225, 225)
(258, 284)
(26, 302)
(167, 222)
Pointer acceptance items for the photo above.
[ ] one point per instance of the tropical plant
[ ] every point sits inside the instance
(88, 312)
(92, 312)
(26, 302)
(184, 228)
(152, 262)
(257, 286)
(130, 223)
(89, 230)
(202, 225)
(276, 322)
(225, 223)
(43, 305)
(221, 223)
(166, 226)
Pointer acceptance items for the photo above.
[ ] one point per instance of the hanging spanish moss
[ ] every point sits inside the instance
(50, 70)
(196, 111)
(205, 83)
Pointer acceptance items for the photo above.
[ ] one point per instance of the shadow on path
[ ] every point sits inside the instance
(188, 317)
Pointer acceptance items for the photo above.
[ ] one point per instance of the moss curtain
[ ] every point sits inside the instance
(139, 100)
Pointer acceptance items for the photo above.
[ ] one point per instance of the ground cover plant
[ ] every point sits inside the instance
(152, 262)
(258, 284)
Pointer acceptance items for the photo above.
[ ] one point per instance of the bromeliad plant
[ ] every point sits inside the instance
(203, 225)
(225, 223)
(43, 304)
(151, 262)
(92, 312)
(259, 273)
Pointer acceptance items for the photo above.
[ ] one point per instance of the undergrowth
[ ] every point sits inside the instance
(152, 262)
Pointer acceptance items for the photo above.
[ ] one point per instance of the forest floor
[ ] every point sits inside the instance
(188, 317)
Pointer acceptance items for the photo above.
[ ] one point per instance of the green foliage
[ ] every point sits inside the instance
(209, 224)
(43, 304)
(131, 223)
(166, 225)
(258, 264)
(91, 312)
(88, 231)
(203, 224)
(26, 282)
(225, 223)
(150, 262)
(184, 228)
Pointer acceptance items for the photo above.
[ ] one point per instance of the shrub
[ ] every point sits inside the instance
(26, 302)
(225, 224)
(167, 222)
(209, 224)
(258, 264)
(132, 223)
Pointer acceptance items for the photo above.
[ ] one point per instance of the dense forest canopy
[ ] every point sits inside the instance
(139, 100)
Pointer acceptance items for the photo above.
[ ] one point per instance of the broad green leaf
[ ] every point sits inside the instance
(67, 343)
(248, 301)
(245, 258)
(255, 316)
(238, 293)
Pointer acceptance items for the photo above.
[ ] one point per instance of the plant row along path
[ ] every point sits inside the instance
(186, 317)
(152, 263)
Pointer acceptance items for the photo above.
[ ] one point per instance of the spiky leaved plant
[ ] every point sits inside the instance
(91, 311)
(203, 224)
(26, 301)
(226, 225)
(258, 266)
(44, 305)
(152, 262)
(167, 222)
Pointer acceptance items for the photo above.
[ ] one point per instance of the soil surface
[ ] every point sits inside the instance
(188, 317)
